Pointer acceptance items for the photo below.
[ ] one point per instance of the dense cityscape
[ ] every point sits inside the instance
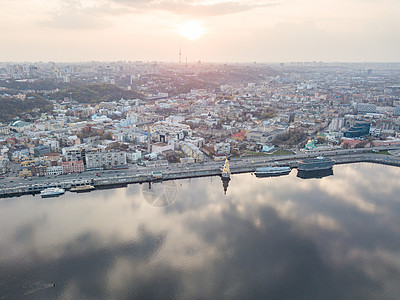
(200, 149)
(97, 116)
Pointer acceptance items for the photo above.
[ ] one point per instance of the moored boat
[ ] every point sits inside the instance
(52, 192)
(272, 171)
(82, 188)
(316, 164)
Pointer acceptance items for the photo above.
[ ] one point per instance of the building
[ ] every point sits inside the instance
(365, 108)
(192, 151)
(133, 156)
(222, 148)
(38, 170)
(19, 152)
(4, 129)
(187, 160)
(25, 173)
(156, 163)
(261, 136)
(160, 147)
(105, 160)
(100, 118)
(197, 141)
(73, 167)
(163, 132)
(396, 112)
(4, 163)
(54, 170)
(75, 153)
(70, 141)
(358, 130)
(41, 150)
(53, 144)
(20, 126)
(239, 136)
(336, 124)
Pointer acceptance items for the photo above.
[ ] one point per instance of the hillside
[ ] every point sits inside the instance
(96, 93)
(33, 104)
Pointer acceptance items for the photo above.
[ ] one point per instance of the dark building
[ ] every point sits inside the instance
(38, 170)
(358, 130)
(41, 150)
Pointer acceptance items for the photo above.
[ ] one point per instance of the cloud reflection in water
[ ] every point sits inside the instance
(276, 238)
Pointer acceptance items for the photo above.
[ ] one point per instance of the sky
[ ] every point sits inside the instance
(205, 30)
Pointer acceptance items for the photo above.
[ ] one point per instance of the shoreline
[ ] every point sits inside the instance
(174, 173)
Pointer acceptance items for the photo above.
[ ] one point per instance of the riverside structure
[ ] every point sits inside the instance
(111, 179)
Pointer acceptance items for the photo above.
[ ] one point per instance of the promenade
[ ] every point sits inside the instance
(115, 178)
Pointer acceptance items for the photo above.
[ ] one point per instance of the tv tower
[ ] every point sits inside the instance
(180, 55)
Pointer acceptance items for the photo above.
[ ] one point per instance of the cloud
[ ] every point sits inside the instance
(246, 244)
(74, 15)
(195, 8)
(201, 10)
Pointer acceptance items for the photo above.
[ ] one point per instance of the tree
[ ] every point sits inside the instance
(345, 145)
(361, 144)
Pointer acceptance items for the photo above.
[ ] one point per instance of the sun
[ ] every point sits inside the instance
(192, 30)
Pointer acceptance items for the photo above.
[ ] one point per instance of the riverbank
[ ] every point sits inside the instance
(172, 173)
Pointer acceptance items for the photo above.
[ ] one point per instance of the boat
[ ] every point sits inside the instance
(272, 171)
(52, 192)
(82, 188)
(316, 164)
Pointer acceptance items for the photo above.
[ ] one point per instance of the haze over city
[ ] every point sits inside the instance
(215, 31)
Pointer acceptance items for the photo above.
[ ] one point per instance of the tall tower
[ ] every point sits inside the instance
(180, 55)
(226, 172)
(148, 139)
(226, 175)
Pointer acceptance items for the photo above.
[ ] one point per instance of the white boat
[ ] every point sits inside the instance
(271, 171)
(52, 192)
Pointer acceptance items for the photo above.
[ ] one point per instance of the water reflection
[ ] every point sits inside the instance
(225, 184)
(314, 174)
(278, 238)
(159, 194)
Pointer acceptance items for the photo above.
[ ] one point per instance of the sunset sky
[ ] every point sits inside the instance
(210, 31)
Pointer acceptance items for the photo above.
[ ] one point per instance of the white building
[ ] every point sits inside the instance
(105, 160)
(53, 144)
(197, 141)
(192, 151)
(4, 129)
(133, 156)
(20, 126)
(97, 118)
(163, 131)
(222, 148)
(336, 124)
(74, 153)
(158, 148)
(54, 170)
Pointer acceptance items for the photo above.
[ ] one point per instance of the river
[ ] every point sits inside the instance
(335, 237)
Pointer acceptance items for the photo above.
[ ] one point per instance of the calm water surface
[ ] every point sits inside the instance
(268, 238)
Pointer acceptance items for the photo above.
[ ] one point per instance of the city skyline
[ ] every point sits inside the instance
(211, 31)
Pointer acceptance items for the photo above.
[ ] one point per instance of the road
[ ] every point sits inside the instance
(235, 163)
